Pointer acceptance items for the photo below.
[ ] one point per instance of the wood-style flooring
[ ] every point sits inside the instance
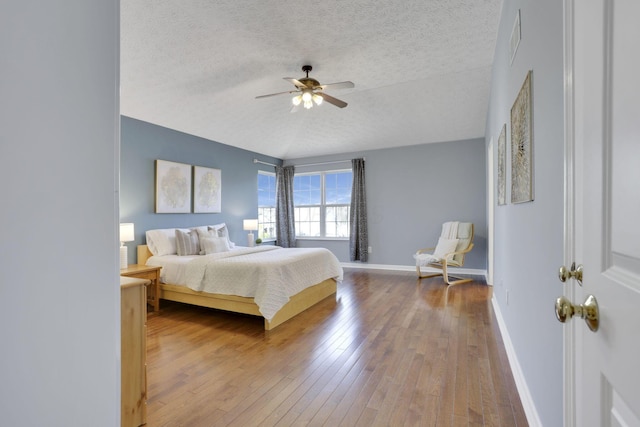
(390, 350)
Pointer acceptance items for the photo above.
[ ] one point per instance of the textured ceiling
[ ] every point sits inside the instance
(421, 70)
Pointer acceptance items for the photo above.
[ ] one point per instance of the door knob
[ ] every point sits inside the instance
(565, 310)
(575, 272)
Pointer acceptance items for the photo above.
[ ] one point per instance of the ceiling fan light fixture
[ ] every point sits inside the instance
(309, 91)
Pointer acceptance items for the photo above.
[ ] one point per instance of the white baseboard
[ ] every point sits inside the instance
(521, 384)
(452, 271)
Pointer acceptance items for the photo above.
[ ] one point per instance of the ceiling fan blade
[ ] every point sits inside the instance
(339, 85)
(274, 94)
(331, 100)
(296, 82)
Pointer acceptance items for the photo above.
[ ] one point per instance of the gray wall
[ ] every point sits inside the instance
(59, 292)
(411, 191)
(528, 236)
(143, 143)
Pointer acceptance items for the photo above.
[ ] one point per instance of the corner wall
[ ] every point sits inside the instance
(529, 236)
(143, 143)
(411, 192)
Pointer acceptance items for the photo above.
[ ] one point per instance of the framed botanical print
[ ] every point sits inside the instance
(502, 166)
(173, 187)
(207, 190)
(521, 145)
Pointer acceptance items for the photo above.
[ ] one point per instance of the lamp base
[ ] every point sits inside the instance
(250, 240)
(123, 257)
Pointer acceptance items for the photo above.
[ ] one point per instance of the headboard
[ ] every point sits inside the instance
(143, 254)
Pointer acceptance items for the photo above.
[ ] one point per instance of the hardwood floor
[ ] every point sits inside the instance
(390, 351)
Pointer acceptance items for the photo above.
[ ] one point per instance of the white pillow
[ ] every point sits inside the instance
(223, 231)
(162, 241)
(213, 245)
(445, 246)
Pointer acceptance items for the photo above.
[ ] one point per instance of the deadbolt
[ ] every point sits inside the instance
(574, 272)
(565, 310)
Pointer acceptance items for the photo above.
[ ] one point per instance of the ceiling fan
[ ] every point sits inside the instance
(309, 91)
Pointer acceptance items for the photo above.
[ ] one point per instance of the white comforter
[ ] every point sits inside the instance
(269, 274)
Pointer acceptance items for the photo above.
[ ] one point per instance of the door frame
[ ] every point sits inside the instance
(572, 200)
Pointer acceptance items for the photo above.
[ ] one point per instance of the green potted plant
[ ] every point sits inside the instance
(258, 241)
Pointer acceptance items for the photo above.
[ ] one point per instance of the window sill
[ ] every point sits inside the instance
(335, 239)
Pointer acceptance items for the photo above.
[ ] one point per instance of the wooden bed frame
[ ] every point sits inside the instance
(297, 303)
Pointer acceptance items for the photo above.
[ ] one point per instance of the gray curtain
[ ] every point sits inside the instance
(285, 226)
(359, 238)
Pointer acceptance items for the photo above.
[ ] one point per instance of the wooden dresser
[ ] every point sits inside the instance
(146, 272)
(133, 306)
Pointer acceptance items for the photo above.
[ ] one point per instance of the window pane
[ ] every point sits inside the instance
(321, 203)
(338, 187)
(315, 229)
(344, 196)
(306, 190)
(331, 197)
(331, 214)
(342, 229)
(314, 181)
(315, 197)
(342, 213)
(266, 225)
(330, 229)
(266, 205)
(330, 180)
(345, 179)
(304, 214)
(300, 198)
(263, 180)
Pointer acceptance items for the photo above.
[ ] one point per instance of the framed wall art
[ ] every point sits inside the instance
(522, 145)
(173, 187)
(207, 190)
(502, 166)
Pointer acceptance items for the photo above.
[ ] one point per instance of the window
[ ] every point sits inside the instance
(322, 201)
(266, 205)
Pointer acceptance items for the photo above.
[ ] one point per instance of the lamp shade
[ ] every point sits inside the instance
(126, 232)
(250, 224)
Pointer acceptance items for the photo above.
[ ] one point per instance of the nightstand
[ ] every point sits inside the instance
(150, 273)
(133, 347)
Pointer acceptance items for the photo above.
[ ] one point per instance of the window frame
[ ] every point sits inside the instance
(273, 208)
(324, 205)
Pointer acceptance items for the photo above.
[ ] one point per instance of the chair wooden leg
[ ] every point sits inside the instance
(424, 276)
(448, 278)
(445, 275)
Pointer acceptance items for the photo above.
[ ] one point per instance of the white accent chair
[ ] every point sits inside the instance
(455, 241)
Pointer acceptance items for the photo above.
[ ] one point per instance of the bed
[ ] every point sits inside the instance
(266, 281)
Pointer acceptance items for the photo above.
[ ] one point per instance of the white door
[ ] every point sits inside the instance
(602, 375)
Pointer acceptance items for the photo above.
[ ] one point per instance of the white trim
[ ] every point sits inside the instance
(521, 384)
(569, 348)
(452, 271)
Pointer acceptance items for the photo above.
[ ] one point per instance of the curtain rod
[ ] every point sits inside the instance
(324, 163)
(263, 163)
(306, 164)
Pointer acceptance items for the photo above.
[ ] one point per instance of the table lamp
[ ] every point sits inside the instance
(250, 225)
(126, 235)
